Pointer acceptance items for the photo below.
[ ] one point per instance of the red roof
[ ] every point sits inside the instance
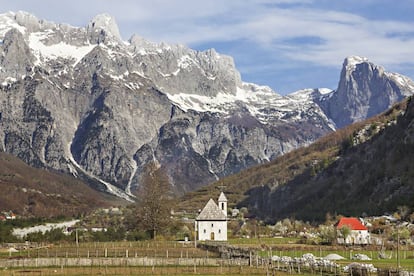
(352, 223)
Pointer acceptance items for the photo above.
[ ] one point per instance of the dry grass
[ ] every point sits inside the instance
(38, 192)
(116, 250)
(231, 270)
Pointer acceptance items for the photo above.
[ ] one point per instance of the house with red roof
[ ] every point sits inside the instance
(358, 233)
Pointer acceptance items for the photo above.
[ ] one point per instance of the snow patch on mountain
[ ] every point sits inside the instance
(405, 83)
(8, 81)
(261, 101)
(129, 185)
(223, 102)
(111, 189)
(59, 50)
(185, 61)
(351, 62)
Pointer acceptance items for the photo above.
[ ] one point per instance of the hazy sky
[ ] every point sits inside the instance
(286, 44)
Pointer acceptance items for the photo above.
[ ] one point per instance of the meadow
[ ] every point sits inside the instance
(182, 258)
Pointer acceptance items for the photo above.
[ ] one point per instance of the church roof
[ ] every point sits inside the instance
(211, 212)
(222, 197)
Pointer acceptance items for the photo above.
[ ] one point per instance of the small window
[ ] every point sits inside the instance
(212, 225)
(205, 231)
(219, 231)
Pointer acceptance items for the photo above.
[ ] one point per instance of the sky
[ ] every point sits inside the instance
(286, 44)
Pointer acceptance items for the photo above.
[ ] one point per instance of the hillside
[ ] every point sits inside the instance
(294, 178)
(29, 191)
(371, 177)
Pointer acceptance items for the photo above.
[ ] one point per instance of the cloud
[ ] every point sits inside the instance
(279, 33)
(274, 28)
(280, 27)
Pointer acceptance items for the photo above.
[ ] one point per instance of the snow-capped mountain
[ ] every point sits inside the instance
(84, 101)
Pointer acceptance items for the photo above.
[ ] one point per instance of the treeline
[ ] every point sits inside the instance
(6, 227)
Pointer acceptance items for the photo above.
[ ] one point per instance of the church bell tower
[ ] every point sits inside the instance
(222, 203)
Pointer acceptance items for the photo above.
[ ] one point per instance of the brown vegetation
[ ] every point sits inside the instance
(304, 162)
(30, 192)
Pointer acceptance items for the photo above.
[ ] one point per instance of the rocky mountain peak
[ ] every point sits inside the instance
(355, 67)
(364, 89)
(16, 57)
(140, 43)
(27, 20)
(102, 25)
(351, 62)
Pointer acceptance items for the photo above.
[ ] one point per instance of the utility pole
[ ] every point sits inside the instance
(195, 234)
(398, 249)
(77, 237)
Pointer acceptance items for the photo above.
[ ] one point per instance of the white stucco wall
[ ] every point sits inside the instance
(223, 206)
(205, 228)
(356, 237)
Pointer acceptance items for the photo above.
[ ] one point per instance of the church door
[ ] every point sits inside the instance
(212, 236)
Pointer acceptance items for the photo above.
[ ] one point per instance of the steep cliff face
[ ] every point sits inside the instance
(364, 90)
(83, 101)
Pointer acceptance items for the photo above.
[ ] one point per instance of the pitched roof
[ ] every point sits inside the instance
(211, 212)
(222, 197)
(352, 223)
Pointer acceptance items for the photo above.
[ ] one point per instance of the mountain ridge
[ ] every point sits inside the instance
(83, 101)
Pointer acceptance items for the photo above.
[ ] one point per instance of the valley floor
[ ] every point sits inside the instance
(178, 258)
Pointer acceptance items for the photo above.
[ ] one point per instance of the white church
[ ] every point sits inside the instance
(211, 223)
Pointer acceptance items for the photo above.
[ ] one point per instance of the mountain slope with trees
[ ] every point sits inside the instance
(371, 177)
(350, 171)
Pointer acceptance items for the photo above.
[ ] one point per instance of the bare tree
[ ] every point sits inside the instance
(154, 206)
